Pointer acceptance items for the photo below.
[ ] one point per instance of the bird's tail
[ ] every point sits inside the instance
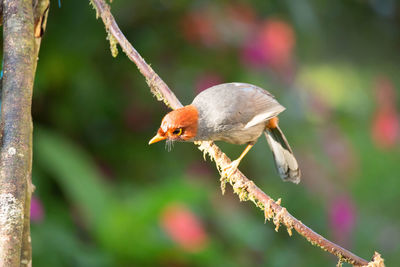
(285, 162)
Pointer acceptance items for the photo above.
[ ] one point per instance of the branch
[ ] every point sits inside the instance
(16, 126)
(242, 186)
(40, 12)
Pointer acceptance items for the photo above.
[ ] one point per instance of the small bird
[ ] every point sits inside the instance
(236, 113)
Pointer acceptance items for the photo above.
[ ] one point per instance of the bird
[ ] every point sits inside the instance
(237, 113)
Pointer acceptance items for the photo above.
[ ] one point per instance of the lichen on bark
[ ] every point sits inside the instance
(16, 122)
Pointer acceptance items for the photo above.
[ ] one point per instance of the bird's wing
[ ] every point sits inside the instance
(264, 106)
(267, 114)
(237, 104)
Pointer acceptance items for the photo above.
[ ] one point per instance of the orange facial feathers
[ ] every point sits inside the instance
(185, 118)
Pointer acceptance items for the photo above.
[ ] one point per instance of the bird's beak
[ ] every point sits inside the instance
(156, 139)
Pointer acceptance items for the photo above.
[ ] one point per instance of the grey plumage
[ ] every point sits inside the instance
(226, 109)
(238, 113)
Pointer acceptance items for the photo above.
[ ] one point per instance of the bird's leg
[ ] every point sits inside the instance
(228, 171)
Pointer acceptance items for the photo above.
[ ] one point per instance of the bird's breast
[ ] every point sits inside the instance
(230, 133)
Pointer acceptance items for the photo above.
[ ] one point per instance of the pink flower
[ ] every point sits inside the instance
(252, 54)
(183, 227)
(342, 218)
(37, 212)
(272, 45)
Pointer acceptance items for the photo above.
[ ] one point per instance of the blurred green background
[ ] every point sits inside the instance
(104, 197)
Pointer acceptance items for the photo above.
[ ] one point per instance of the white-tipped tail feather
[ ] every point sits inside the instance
(285, 162)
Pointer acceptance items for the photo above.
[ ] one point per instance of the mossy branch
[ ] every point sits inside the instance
(242, 186)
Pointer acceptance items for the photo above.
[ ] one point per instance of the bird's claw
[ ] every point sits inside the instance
(230, 169)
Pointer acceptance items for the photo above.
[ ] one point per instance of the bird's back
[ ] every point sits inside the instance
(234, 112)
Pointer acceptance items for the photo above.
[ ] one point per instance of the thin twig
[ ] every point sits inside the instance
(16, 122)
(244, 187)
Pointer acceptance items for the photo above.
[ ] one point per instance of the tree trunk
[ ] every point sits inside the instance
(20, 48)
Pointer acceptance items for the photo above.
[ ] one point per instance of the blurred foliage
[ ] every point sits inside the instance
(105, 198)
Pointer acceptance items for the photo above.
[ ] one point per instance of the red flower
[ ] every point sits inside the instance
(183, 227)
(385, 128)
(385, 124)
(272, 45)
(278, 40)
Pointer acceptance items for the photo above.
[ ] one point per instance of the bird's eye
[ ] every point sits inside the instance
(177, 131)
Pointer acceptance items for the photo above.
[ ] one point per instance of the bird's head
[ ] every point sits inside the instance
(178, 125)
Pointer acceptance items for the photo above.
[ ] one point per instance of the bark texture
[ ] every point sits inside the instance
(20, 56)
(40, 12)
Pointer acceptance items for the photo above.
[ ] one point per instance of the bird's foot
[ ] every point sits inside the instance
(231, 169)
